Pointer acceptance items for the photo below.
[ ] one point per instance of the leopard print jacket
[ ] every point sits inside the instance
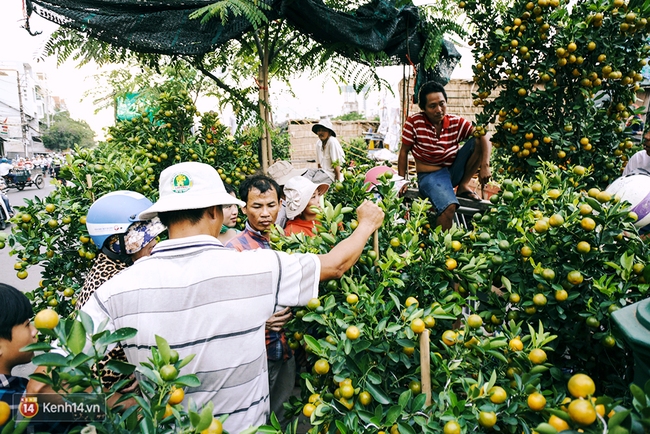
(102, 270)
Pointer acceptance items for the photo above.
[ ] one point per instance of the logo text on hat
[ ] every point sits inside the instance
(181, 183)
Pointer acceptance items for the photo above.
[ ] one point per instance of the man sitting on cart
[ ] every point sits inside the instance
(5, 170)
(434, 138)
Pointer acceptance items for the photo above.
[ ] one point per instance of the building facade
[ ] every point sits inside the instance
(25, 103)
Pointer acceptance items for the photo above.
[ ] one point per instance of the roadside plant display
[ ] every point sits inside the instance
(566, 255)
(561, 79)
(489, 369)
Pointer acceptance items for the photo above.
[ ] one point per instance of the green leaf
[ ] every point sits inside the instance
(266, 429)
(492, 381)
(618, 430)
(617, 418)
(206, 417)
(627, 261)
(313, 316)
(638, 394)
(441, 316)
(394, 327)
(163, 349)
(314, 345)
(322, 410)
(151, 374)
(347, 346)
(9, 427)
(87, 321)
(373, 378)
(498, 355)
(147, 386)
(21, 426)
(377, 394)
(393, 413)
(195, 418)
(185, 361)
(50, 359)
(404, 398)
(79, 359)
(274, 421)
(122, 335)
(545, 428)
(190, 380)
(405, 428)
(42, 378)
(419, 402)
(76, 338)
(538, 369)
(38, 346)
(146, 425)
(506, 283)
(146, 407)
(117, 336)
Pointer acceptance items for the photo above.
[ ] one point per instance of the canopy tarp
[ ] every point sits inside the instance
(155, 26)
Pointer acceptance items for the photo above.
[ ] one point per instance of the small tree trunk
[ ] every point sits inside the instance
(267, 149)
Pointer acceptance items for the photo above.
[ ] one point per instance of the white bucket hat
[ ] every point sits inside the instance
(189, 185)
(283, 171)
(297, 193)
(325, 123)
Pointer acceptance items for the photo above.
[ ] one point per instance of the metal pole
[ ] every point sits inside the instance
(23, 122)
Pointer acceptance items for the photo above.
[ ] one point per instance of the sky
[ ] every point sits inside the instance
(313, 99)
(64, 81)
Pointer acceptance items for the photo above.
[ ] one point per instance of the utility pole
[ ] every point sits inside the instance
(23, 121)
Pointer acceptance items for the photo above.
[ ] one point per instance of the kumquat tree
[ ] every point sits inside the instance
(560, 78)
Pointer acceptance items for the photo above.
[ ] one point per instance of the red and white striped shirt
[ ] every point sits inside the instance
(420, 135)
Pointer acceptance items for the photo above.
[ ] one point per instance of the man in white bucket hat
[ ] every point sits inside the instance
(329, 154)
(212, 301)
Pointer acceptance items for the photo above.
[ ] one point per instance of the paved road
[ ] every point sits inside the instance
(7, 272)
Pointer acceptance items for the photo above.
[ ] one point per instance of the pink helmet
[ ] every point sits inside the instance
(375, 172)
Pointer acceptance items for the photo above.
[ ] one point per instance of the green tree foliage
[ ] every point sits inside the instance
(352, 116)
(65, 133)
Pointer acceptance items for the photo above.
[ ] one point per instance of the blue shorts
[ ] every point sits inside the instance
(439, 186)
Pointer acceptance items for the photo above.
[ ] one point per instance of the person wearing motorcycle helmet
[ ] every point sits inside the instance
(113, 225)
(6, 211)
(5, 170)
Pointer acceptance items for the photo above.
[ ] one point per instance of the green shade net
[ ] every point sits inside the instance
(165, 27)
